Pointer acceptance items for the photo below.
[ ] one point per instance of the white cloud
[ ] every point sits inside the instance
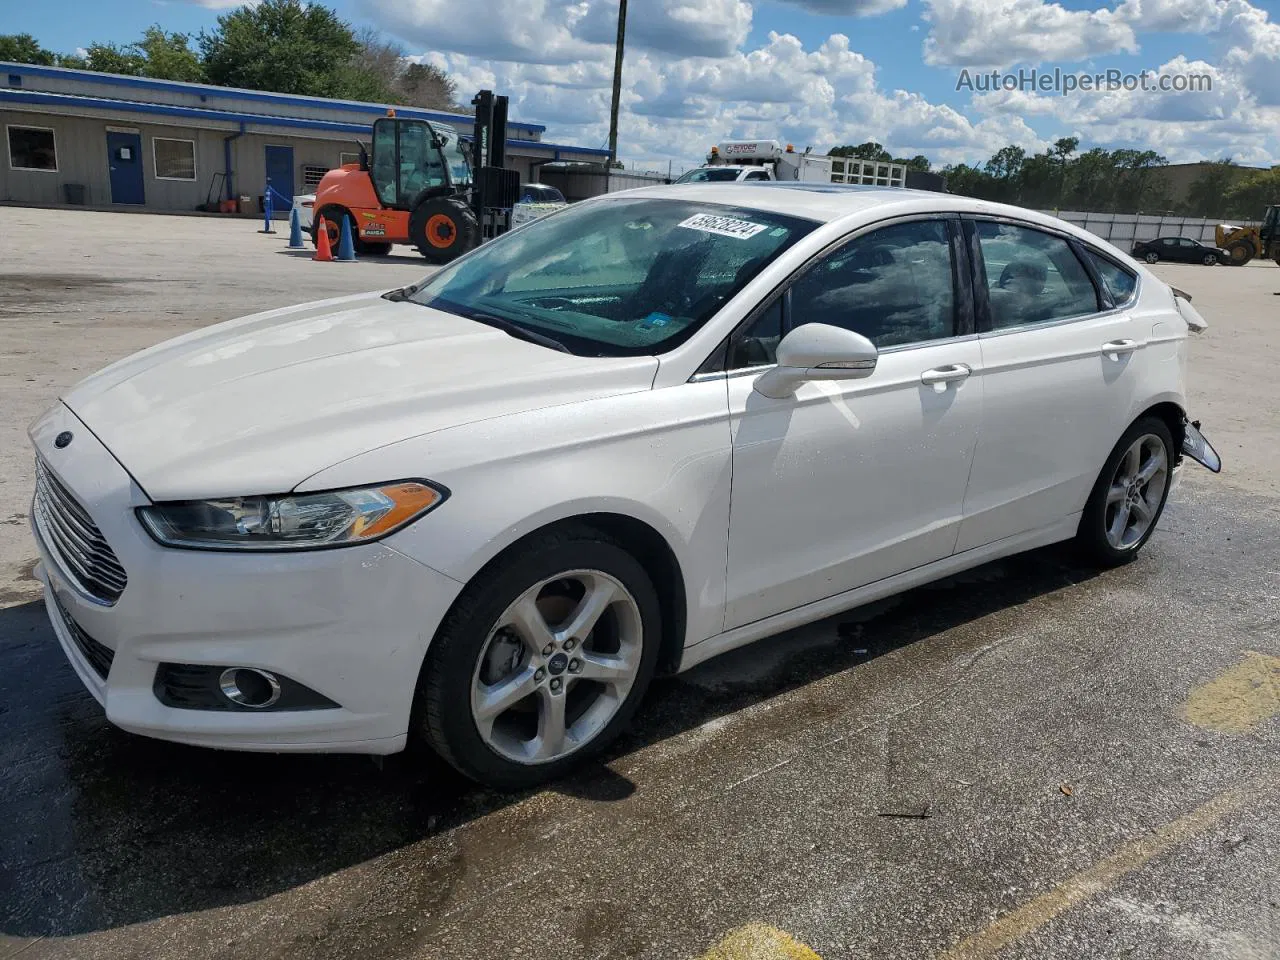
(692, 28)
(983, 33)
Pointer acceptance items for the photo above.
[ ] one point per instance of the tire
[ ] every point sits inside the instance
(1240, 253)
(483, 648)
(374, 248)
(1114, 491)
(1210, 260)
(332, 215)
(443, 228)
(1152, 257)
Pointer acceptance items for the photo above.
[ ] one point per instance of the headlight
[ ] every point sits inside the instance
(291, 521)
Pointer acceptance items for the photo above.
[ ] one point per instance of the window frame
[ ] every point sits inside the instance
(979, 276)
(1100, 282)
(963, 321)
(155, 165)
(8, 143)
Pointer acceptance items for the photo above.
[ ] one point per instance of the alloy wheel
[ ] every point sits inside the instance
(1136, 492)
(557, 666)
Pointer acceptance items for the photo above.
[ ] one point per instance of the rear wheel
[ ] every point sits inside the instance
(443, 228)
(1129, 494)
(542, 660)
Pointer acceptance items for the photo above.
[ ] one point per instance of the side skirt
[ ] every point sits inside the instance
(1063, 529)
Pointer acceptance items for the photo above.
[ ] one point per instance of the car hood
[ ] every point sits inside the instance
(259, 404)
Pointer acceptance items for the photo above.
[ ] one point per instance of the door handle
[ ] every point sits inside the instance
(939, 377)
(1113, 349)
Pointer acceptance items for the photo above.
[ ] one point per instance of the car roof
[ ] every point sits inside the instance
(827, 202)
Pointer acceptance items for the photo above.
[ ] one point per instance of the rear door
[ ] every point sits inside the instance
(1059, 380)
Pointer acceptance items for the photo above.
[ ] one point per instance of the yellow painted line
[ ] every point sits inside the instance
(1240, 698)
(759, 941)
(1105, 874)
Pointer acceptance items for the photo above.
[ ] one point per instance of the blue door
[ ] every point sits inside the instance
(124, 161)
(280, 176)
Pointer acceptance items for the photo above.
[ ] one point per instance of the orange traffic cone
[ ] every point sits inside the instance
(323, 252)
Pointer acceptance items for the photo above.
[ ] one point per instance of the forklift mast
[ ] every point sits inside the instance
(494, 187)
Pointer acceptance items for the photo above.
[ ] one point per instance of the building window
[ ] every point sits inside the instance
(32, 148)
(175, 159)
(312, 174)
(345, 158)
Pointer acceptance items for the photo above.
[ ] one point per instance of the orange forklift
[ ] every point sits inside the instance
(422, 184)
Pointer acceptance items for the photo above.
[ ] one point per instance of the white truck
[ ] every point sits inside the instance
(738, 160)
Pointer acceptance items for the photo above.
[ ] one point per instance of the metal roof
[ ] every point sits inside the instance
(238, 93)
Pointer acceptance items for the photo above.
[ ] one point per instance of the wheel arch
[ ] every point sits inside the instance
(1172, 413)
(644, 542)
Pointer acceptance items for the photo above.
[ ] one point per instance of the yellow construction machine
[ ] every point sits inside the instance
(1242, 244)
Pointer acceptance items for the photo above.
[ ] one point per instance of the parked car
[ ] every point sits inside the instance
(536, 200)
(485, 509)
(1178, 250)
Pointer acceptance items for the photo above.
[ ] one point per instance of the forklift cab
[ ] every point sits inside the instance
(412, 156)
(1270, 232)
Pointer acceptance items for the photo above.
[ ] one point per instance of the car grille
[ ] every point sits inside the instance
(75, 539)
(99, 657)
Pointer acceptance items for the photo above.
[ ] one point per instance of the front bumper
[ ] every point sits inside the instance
(352, 624)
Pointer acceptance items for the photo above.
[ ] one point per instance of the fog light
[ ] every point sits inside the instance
(249, 687)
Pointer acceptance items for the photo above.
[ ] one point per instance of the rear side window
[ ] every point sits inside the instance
(1032, 277)
(1120, 283)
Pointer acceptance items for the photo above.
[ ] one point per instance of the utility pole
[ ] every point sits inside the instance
(617, 82)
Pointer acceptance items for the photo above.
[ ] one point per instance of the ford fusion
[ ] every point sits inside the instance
(485, 509)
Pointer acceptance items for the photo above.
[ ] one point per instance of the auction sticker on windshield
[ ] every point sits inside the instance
(724, 226)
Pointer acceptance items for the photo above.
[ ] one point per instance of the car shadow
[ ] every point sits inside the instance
(104, 829)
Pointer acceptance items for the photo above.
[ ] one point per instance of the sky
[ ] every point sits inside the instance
(814, 73)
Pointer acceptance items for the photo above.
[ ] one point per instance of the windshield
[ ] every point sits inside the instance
(615, 277)
(455, 155)
(707, 174)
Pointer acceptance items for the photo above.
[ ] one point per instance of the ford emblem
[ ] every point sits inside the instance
(62, 439)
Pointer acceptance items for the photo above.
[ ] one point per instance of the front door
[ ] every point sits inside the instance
(849, 482)
(280, 176)
(1060, 377)
(124, 162)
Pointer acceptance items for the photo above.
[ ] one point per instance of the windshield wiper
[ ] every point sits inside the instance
(519, 332)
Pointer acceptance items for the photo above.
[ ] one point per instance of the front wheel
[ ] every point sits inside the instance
(542, 661)
(1152, 257)
(1210, 260)
(1129, 494)
(443, 228)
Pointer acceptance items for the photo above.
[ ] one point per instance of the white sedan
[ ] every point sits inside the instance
(484, 510)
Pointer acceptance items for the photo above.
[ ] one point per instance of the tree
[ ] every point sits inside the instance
(285, 46)
(169, 56)
(1006, 163)
(23, 48)
(1249, 198)
(869, 150)
(425, 85)
(399, 79)
(918, 162)
(110, 58)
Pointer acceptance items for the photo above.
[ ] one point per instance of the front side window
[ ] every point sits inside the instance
(757, 175)
(1032, 277)
(1188, 244)
(893, 286)
(384, 162)
(1120, 283)
(455, 155)
(32, 148)
(174, 159)
(420, 161)
(622, 277)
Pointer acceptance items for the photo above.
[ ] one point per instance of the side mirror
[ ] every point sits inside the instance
(817, 351)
